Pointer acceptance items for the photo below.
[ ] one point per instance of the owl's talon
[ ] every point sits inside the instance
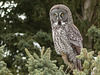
(66, 69)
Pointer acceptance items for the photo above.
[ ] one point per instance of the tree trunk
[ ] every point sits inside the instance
(88, 15)
(86, 9)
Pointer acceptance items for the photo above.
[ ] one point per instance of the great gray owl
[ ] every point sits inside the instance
(66, 36)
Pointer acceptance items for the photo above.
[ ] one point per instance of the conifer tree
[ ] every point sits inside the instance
(43, 65)
(90, 65)
(3, 66)
(95, 38)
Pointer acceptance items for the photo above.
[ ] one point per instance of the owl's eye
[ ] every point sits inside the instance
(55, 15)
(62, 14)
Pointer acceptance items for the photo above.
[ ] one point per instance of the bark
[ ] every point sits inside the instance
(86, 13)
(86, 9)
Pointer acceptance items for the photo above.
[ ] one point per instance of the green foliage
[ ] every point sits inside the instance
(78, 72)
(36, 27)
(3, 69)
(91, 66)
(20, 42)
(1, 52)
(96, 64)
(94, 33)
(43, 38)
(42, 65)
(3, 66)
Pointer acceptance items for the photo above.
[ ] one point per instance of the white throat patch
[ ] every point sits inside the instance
(62, 23)
(56, 23)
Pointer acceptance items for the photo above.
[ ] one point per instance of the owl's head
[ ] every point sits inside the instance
(60, 15)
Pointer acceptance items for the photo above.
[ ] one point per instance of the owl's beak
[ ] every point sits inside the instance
(59, 21)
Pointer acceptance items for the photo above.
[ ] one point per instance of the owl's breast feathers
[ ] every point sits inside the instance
(61, 42)
(67, 35)
(75, 38)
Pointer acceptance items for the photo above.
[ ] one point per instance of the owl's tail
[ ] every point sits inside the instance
(79, 65)
(76, 64)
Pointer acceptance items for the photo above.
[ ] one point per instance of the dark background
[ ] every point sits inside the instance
(36, 27)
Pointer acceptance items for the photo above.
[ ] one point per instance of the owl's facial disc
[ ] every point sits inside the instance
(58, 16)
(59, 20)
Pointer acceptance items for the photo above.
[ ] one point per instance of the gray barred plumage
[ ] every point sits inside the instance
(66, 37)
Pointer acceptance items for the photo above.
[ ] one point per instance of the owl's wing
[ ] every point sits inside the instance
(75, 38)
